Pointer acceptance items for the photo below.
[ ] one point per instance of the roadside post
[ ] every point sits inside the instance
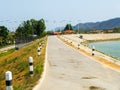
(8, 76)
(38, 51)
(31, 65)
(93, 50)
(93, 53)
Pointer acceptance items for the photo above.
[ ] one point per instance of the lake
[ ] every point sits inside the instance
(111, 48)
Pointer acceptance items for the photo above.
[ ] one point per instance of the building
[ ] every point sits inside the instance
(68, 32)
(56, 33)
(96, 31)
(102, 31)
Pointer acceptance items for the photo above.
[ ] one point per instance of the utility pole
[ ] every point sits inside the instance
(78, 26)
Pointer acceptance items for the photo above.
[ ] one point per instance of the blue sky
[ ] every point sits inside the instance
(57, 12)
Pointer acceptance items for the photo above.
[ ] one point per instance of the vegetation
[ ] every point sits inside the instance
(81, 31)
(29, 31)
(6, 37)
(49, 32)
(18, 63)
(7, 52)
(116, 30)
(68, 27)
(30, 28)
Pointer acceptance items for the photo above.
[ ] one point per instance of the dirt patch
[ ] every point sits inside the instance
(54, 65)
(88, 77)
(62, 75)
(96, 88)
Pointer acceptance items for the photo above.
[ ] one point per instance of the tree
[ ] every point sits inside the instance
(10, 38)
(4, 31)
(3, 34)
(30, 27)
(34, 25)
(68, 27)
(40, 27)
(1, 39)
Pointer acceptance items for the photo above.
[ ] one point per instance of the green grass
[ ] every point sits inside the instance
(7, 52)
(17, 62)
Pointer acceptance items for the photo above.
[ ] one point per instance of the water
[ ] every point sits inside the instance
(111, 48)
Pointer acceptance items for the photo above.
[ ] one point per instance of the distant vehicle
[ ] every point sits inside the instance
(16, 48)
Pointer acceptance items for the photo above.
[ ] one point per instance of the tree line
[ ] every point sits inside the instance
(31, 28)
(6, 37)
(26, 31)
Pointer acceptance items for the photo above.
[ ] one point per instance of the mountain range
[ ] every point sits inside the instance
(108, 24)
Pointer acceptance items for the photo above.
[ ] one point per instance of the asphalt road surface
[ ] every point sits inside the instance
(70, 70)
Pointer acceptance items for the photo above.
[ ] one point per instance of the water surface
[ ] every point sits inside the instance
(111, 48)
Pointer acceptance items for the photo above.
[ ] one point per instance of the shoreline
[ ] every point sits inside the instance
(117, 58)
(100, 57)
(86, 42)
(95, 41)
(92, 41)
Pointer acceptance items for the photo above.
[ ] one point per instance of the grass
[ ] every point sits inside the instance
(7, 52)
(17, 62)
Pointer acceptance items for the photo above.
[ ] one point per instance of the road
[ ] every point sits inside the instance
(7, 48)
(68, 69)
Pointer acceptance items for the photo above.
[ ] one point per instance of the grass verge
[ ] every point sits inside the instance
(6, 52)
(17, 62)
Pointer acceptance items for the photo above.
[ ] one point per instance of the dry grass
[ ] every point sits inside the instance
(97, 58)
(17, 62)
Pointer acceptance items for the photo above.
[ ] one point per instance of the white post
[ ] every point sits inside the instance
(93, 49)
(38, 51)
(93, 53)
(31, 65)
(8, 76)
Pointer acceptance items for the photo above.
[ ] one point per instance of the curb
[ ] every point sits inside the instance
(37, 87)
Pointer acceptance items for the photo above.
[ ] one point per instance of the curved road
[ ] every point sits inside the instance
(70, 70)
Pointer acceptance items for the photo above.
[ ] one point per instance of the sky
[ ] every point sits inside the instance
(57, 13)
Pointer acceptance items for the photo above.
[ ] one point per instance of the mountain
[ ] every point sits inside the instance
(108, 24)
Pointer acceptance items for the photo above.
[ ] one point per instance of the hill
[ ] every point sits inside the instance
(108, 24)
